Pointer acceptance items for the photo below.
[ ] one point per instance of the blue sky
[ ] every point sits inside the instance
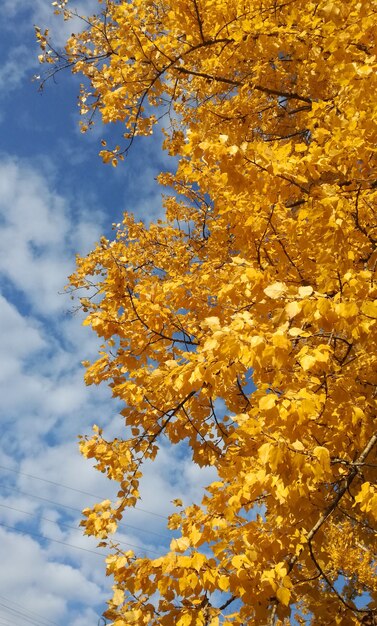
(56, 199)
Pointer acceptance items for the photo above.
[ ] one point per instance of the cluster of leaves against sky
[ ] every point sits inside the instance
(257, 293)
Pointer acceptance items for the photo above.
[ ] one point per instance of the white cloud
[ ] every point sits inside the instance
(41, 379)
(35, 236)
(64, 465)
(45, 403)
(16, 68)
(87, 618)
(49, 587)
(41, 13)
(44, 346)
(19, 336)
(18, 21)
(15, 508)
(172, 475)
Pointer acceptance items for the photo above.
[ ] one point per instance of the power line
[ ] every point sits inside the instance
(26, 615)
(64, 543)
(125, 543)
(23, 607)
(31, 495)
(21, 614)
(85, 493)
(71, 508)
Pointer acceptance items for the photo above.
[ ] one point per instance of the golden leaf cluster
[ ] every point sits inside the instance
(244, 323)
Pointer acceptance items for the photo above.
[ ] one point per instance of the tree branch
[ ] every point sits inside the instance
(329, 510)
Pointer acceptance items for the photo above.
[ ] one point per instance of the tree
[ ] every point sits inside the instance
(259, 289)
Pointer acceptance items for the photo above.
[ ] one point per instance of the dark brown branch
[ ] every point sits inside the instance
(293, 205)
(259, 246)
(240, 388)
(218, 424)
(206, 443)
(282, 245)
(333, 505)
(156, 332)
(221, 79)
(282, 94)
(331, 585)
(282, 176)
(171, 412)
(227, 603)
(200, 21)
(238, 83)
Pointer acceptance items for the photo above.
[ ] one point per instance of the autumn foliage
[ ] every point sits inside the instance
(256, 293)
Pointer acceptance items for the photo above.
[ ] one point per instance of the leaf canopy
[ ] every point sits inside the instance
(257, 289)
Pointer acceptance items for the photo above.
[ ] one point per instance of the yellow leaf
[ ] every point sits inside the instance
(283, 595)
(298, 445)
(240, 561)
(293, 309)
(223, 583)
(264, 452)
(184, 620)
(197, 561)
(367, 498)
(370, 309)
(267, 402)
(275, 291)
(307, 362)
(298, 332)
(347, 309)
(212, 322)
(323, 455)
(305, 291)
(118, 597)
(233, 150)
(179, 545)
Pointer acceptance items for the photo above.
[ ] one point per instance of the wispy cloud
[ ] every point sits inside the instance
(49, 211)
(49, 586)
(41, 13)
(16, 68)
(38, 235)
(44, 482)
